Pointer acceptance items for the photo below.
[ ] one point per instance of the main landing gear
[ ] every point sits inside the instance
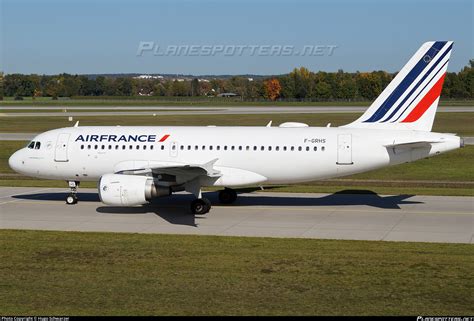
(71, 199)
(200, 206)
(227, 196)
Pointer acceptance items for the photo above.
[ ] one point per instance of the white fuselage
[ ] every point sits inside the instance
(243, 155)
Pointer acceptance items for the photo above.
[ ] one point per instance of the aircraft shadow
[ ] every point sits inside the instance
(342, 198)
(175, 209)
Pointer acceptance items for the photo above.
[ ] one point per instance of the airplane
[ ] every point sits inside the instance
(134, 165)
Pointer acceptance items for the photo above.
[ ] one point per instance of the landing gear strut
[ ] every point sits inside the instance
(200, 205)
(227, 196)
(72, 197)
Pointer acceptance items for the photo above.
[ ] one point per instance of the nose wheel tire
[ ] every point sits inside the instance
(71, 199)
(227, 196)
(200, 206)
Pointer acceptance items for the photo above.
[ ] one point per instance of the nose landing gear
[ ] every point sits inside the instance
(71, 199)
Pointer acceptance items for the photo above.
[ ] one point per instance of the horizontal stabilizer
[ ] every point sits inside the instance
(415, 144)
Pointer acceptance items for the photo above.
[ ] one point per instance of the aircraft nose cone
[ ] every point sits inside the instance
(15, 162)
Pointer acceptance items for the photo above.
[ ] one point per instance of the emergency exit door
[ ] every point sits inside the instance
(60, 154)
(173, 149)
(344, 149)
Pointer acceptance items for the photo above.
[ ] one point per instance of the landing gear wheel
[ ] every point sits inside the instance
(227, 196)
(71, 199)
(200, 206)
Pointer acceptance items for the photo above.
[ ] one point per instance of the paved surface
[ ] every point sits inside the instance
(30, 136)
(204, 110)
(329, 216)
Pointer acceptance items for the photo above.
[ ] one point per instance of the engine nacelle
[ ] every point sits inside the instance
(129, 190)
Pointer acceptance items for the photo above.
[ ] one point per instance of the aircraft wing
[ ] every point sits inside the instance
(180, 173)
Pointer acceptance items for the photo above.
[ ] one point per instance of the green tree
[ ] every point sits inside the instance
(1, 86)
(195, 88)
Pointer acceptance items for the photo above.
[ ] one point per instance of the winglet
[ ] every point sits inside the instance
(76, 124)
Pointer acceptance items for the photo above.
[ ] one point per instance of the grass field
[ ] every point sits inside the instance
(70, 273)
(460, 123)
(188, 101)
(75, 110)
(447, 174)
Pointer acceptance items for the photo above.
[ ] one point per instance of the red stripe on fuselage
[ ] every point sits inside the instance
(164, 138)
(426, 102)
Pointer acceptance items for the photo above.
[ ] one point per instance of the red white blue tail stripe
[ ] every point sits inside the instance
(415, 89)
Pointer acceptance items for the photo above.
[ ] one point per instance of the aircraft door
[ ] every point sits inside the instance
(173, 149)
(60, 154)
(344, 149)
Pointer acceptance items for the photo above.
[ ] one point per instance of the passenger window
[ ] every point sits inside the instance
(110, 147)
(151, 147)
(138, 146)
(123, 147)
(307, 148)
(218, 147)
(292, 148)
(315, 148)
(270, 148)
(196, 147)
(240, 147)
(299, 148)
(277, 148)
(247, 147)
(96, 146)
(323, 148)
(116, 146)
(88, 146)
(284, 148)
(144, 146)
(225, 147)
(255, 148)
(232, 148)
(82, 146)
(181, 147)
(210, 147)
(130, 147)
(203, 147)
(162, 147)
(262, 148)
(103, 146)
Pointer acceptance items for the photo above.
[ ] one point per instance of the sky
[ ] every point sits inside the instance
(104, 36)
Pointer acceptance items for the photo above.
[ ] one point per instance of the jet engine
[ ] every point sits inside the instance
(129, 190)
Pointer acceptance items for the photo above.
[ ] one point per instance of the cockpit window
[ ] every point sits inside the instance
(31, 145)
(37, 145)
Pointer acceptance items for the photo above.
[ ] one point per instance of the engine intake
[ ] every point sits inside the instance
(129, 190)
